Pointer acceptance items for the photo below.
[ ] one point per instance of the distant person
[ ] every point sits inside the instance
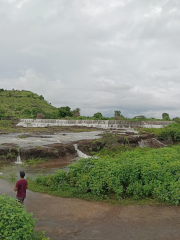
(21, 187)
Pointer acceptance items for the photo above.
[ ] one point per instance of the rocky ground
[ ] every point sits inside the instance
(60, 146)
(70, 219)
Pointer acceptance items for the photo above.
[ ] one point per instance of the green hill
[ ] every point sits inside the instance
(24, 104)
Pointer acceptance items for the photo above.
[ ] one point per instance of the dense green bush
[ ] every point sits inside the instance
(54, 181)
(139, 174)
(171, 132)
(15, 222)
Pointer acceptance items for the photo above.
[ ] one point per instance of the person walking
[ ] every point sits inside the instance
(21, 187)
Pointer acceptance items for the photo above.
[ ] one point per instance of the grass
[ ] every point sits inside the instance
(23, 104)
(155, 131)
(35, 161)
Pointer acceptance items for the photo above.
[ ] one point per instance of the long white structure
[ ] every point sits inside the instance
(105, 124)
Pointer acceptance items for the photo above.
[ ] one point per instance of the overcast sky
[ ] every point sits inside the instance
(97, 55)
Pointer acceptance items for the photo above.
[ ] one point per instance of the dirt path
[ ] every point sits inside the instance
(70, 219)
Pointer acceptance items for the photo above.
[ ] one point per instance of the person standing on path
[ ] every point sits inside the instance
(21, 187)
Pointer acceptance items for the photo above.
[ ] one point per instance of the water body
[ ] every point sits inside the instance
(12, 169)
(47, 139)
(43, 139)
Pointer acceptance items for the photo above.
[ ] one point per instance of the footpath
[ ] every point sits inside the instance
(70, 219)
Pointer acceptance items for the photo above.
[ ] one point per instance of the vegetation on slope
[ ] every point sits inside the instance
(24, 104)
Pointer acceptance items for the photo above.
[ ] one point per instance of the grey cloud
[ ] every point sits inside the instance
(98, 55)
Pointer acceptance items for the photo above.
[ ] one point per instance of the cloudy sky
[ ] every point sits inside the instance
(98, 55)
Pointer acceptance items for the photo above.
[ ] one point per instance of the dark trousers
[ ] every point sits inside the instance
(20, 200)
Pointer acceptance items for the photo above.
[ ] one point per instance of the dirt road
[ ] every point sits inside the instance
(70, 219)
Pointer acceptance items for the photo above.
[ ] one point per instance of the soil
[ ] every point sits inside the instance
(71, 219)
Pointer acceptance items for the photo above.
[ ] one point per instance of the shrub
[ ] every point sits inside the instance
(54, 181)
(138, 173)
(171, 132)
(15, 222)
(108, 139)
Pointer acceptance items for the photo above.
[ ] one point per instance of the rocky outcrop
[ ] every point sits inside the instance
(52, 151)
(89, 146)
(134, 138)
(8, 151)
(151, 143)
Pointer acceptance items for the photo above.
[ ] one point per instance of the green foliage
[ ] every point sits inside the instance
(15, 222)
(141, 173)
(41, 97)
(138, 174)
(10, 154)
(156, 131)
(24, 104)
(176, 119)
(54, 181)
(165, 116)
(2, 113)
(64, 112)
(117, 113)
(171, 132)
(4, 124)
(76, 112)
(35, 161)
(108, 139)
(98, 115)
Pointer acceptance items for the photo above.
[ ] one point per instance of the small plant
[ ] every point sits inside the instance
(11, 176)
(35, 161)
(10, 154)
(22, 136)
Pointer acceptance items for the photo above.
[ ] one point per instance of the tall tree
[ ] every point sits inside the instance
(76, 112)
(64, 112)
(98, 115)
(165, 116)
(117, 114)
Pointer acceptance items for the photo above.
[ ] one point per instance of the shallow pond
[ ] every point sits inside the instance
(10, 170)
